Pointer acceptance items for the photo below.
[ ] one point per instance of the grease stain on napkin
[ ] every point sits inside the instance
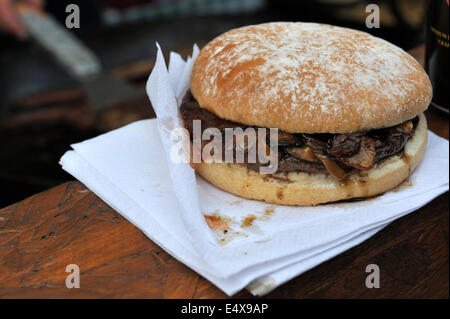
(227, 229)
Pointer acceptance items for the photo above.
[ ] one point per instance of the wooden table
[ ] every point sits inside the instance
(68, 224)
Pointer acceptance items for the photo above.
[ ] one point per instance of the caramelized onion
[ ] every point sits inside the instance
(332, 167)
(407, 126)
(305, 153)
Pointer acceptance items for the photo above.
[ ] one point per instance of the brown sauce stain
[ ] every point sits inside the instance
(350, 185)
(227, 238)
(347, 184)
(280, 194)
(217, 223)
(269, 210)
(248, 220)
(225, 227)
(405, 184)
(222, 226)
(364, 188)
(407, 159)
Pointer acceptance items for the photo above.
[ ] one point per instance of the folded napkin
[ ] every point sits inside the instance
(131, 170)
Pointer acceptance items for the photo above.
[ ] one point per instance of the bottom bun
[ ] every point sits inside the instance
(306, 189)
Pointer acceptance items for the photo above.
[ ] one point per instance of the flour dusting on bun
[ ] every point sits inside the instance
(348, 107)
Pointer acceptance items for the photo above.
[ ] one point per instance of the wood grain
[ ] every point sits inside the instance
(68, 224)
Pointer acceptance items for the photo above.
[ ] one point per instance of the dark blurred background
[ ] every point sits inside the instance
(43, 110)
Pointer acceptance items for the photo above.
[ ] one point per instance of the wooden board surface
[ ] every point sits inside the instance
(68, 224)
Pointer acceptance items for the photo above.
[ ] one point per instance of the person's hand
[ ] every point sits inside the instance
(9, 21)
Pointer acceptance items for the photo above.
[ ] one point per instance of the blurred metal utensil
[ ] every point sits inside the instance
(101, 89)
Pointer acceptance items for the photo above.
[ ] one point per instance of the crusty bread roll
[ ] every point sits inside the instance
(309, 78)
(305, 189)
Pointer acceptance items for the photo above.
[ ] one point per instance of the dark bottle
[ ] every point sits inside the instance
(436, 56)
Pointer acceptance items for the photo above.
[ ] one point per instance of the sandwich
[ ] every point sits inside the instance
(348, 109)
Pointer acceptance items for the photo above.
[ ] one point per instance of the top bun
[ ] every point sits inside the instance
(309, 78)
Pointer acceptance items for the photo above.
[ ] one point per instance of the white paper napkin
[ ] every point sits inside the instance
(130, 169)
(291, 230)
